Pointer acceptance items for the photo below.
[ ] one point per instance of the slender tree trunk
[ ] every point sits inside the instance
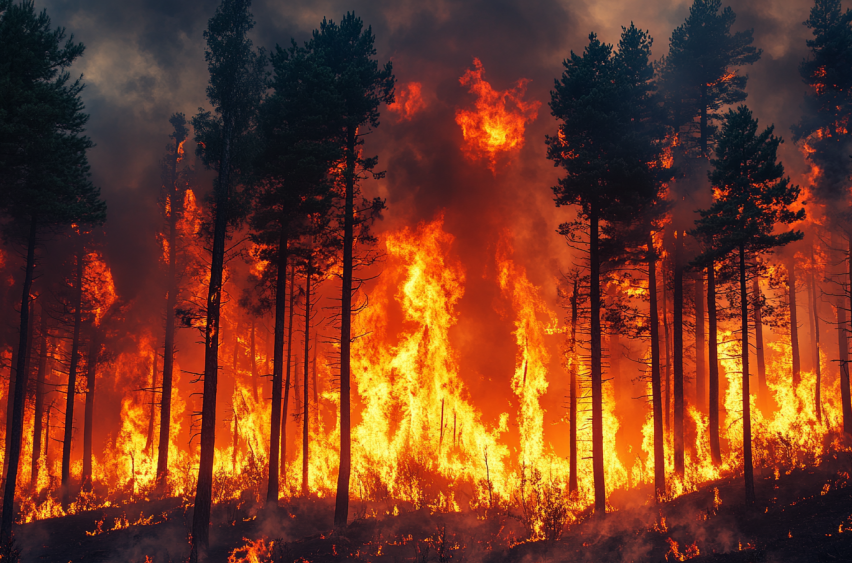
(169, 347)
(17, 425)
(814, 317)
(843, 350)
(572, 397)
(700, 358)
(713, 365)
(10, 408)
(341, 507)
(703, 125)
(597, 367)
(276, 439)
(678, 356)
(794, 324)
(38, 417)
(667, 408)
(253, 351)
(149, 442)
(72, 376)
(762, 389)
(287, 383)
(748, 468)
(236, 440)
(204, 486)
(656, 384)
(91, 375)
(306, 416)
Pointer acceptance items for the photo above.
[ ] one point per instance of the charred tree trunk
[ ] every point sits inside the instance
(713, 365)
(287, 384)
(748, 468)
(843, 351)
(667, 335)
(572, 396)
(88, 425)
(341, 506)
(38, 417)
(814, 318)
(700, 359)
(204, 486)
(16, 429)
(597, 367)
(72, 377)
(149, 442)
(169, 347)
(678, 355)
(762, 389)
(10, 409)
(276, 437)
(794, 324)
(306, 403)
(253, 351)
(656, 384)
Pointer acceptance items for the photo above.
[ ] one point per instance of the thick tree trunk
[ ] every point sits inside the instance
(678, 355)
(700, 357)
(762, 389)
(72, 377)
(275, 439)
(287, 384)
(794, 323)
(204, 486)
(306, 403)
(341, 506)
(713, 365)
(17, 425)
(748, 468)
(597, 367)
(814, 317)
(572, 396)
(169, 347)
(656, 384)
(38, 416)
(88, 425)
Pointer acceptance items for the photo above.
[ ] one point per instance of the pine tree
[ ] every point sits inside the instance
(753, 200)
(226, 144)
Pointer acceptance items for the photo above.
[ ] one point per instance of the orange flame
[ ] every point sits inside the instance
(408, 102)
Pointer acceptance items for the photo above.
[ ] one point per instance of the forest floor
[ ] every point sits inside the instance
(802, 516)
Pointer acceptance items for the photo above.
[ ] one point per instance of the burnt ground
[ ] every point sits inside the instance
(803, 516)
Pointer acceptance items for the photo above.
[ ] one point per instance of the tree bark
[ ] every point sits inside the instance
(287, 385)
(762, 389)
(748, 468)
(17, 425)
(667, 390)
(38, 416)
(597, 367)
(341, 506)
(700, 358)
(678, 355)
(276, 440)
(204, 486)
(572, 397)
(713, 365)
(88, 425)
(72, 376)
(656, 384)
(843, 351)
(794, 324)
(814, 318)
(149, 442)
(306, 403)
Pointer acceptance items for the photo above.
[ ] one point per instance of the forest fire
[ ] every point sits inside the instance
(628, 342)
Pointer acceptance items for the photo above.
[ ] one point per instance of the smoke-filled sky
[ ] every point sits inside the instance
(145, 60)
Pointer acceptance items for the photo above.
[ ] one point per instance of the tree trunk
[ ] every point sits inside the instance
(843, 351)
(276, 440)
(748, 468)
(703, 124)
(88, 426)
(678, 355)
(287, 384)
(204, 486)
(17, 425)
(814, 317)
(169, 347)
(72, 377)
(794, 324)
(762, 389)
(700, 358)
(656, 384)
(38, 417)
(10, 409)
(713, 365)
(306, 403)
(572, 397)
(668, 340)
(597, 367)
(149, 442)
(341, 506)
(253, 351)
